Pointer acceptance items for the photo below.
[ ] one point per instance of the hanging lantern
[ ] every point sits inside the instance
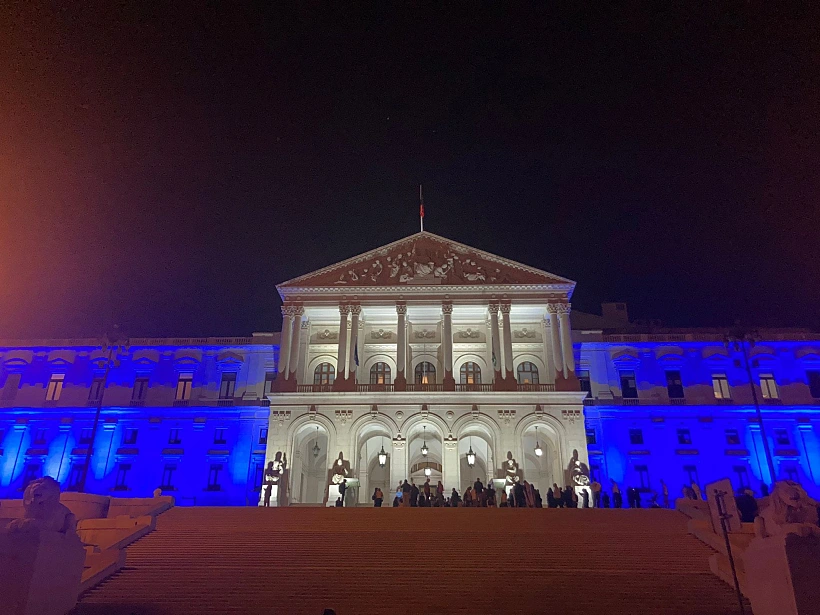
(538, 450)
(316, 449)
(427, 471)
(382, 457)
(471, 455)
(424, 449)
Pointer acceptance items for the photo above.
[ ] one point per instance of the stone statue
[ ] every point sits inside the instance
(578, 472)
(789, 505)
(43, 510)
(340, 470)
(276, 468)
(511, 473)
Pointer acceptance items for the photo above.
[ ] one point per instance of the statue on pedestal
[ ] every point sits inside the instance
(276, 469)
(339, 471)
(511, 471)
(578, 472)
(789, 508)
(43, 510)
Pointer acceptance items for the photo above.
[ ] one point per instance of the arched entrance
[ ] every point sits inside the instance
(544, 469)
(475, 439)
(308, 471)
(425, 436)
(373, 440)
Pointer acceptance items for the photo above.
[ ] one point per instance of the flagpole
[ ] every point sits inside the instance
(421, 209)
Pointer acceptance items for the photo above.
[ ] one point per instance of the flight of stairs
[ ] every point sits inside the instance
(414, 561)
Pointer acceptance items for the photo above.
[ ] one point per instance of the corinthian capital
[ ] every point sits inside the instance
(401, 308)
(493, 308)
(355, 309)
(562, 308)
(505, 308)
(344, 310)
(446, 308)
(288, 311)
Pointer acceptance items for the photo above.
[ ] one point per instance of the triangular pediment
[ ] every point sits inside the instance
(425, 259)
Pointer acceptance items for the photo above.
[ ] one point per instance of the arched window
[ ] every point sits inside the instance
(380, 373)
(470, 373)
(324, 373)
(527, 373)
(425, 373)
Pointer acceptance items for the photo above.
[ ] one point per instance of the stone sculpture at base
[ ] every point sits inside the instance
(338, 472)
(512, 473)
(43, 511)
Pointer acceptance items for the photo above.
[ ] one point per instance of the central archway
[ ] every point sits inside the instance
(308, 471)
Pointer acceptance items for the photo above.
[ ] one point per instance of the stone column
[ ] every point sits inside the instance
(284, 343)
(549, 364)
(566, 338)
(509, 376)
(341, 357)
(355, 310)
(496, 352)
(447, 334)
(450, 466)
(557, 355)
(398, 465)
(296, 341)
(400, 381)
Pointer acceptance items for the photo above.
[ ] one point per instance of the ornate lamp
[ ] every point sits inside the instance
(471, 455)
(382, 457)
(427, 471)
(316, 449)
(424, 449)
(538, 450)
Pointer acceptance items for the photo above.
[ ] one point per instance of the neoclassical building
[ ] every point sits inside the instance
(421, 358)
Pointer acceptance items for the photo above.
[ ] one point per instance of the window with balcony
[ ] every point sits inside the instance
(129, 436)
(86, 434)
(213, 477)
(791, 473)
(31, 472)
(813, 377)
(174, 436)
(584, 381)
(691, 473)
(227, 387)
(629, 386)
(768, 387)
(324, 373)
(258, 474)
(380, 373)
(527, 373)
(425, 373)
(121, 483)
(96, 391)
(263, 435)
(470, 373)
(168, 477)
(592, 437)
(636, 436)
(643, 476)
(720, 386)
(75, 476)
(270, 378)
(11, 386)
(741, 476)
(674, 384)
(219, 435)
(55, 387)
(684, 436)
(732, 437)
(141, 389)
(184, 386)
(781, 437)
(40, 436)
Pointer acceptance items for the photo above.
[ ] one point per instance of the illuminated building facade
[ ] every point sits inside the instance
(421, 358)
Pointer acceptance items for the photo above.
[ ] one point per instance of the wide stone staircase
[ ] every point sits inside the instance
(414, 561)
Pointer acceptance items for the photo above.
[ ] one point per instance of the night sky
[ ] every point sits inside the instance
(165, 168)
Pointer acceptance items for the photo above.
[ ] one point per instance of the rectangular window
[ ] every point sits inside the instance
(791, 473)
(720, 385)
(768, 386)
(674, 384)
(96, 392)
(583, 379)
(219, 435)
(643, 476)
(129, 436)
(691, 473)
(40, 436)
(11, 386)
(595, 472)
(75, 476)
(258, 472)
(591, 436)
(168, 477)
(263, 435)
(122, 476)
(213, 477)
(140, 389)
(636, 436)
(684, 436)
(85, 435)
(32, 471)
(184, 385)
(629, 386)
(732, 437)
(781, 437)
(55, 387)
(228, 386)
(742, 474)
(174, 436)
(813, 376)
(270, 378)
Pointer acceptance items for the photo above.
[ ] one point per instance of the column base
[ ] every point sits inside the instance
(400, 382)
(345, 385)
(449, 381)
(284, 385)
(570, 383)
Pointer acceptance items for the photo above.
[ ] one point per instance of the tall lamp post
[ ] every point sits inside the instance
(739, 339)
(114, 345)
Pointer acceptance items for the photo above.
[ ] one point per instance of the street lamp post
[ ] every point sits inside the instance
(738, 340)
(111, 343)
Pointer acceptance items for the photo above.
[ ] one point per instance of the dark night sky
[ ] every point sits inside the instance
(166, 168)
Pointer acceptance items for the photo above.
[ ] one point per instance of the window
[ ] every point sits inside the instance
(720, 385)
(11, 386)
(324, 373)
(55, 387)
(270, 378)
(32, 472)
(674, 384)
(527, 373)
(781, 437)
(184, 385)
(591, 437)
(380, 373)
(635, 436)
(40, 436)
(219, 435)
(213, 477)
(75, 476)
(168, 477)
(742, 474)
(141, 389)
(129, 436)
(263, 435)
(629, 386)
(174, 436)
(122, 476)
(258, 473)
(813, 376)
(583, 379)
(791, 473)
(470, 373)
(96, 392)
(768, 386)
(425, 373)
(732, 437)
(228, 386)
(595, 472)
(643, 476)
(684, 436)
(691, 474)
(85, 435)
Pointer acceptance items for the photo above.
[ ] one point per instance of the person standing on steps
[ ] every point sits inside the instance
(268, 490)
(605, 500)
(377, 498)
(596, 494)
(342, 490)
(406, 490)
(665, 491)
(585, 497)
(440, 490)
(617, 496)
(414, 495)
(455, 499)
(426, 488)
